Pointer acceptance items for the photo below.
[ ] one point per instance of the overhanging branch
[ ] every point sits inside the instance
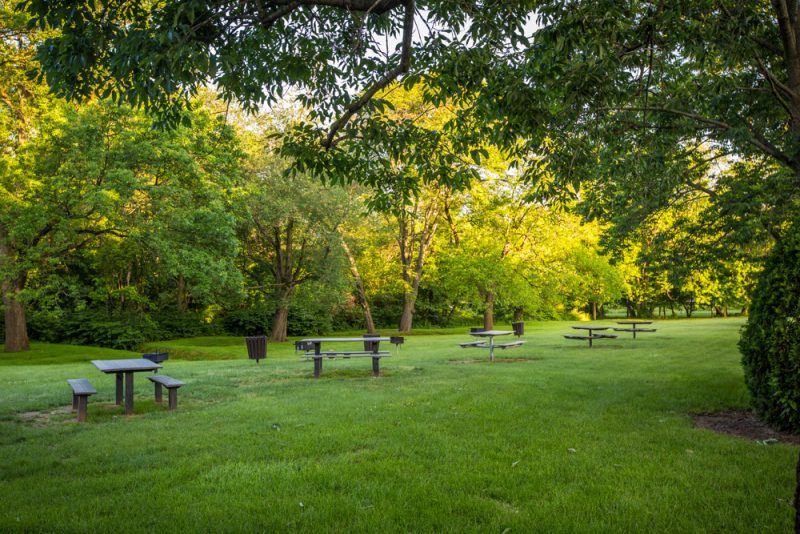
(383, 82)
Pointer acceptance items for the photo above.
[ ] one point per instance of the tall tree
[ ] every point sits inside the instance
(290, 233)
(21, 103)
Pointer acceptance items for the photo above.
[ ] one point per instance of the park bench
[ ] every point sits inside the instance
(81, 390)
(590, 337)
(172, 386)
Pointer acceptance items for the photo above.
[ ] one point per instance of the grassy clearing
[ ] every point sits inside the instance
(565, 440)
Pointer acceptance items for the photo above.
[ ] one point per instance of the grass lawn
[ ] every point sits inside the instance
(566, 439)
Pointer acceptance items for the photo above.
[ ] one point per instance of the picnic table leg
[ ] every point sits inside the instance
(634, 331)
(491, 348)
(128, 392)
(376, 366)
(590, 339)
(82, 403)
(173, 398)
(159, 396)
(317, 358)
(119, 389)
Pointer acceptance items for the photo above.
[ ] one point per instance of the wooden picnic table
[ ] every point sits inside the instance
(317, 354)
(127, 368)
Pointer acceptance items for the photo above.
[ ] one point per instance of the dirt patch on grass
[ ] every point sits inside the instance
(45, 417)
(744, 424)
(496, 360)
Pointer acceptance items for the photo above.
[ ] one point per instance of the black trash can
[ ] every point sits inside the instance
(156, 357)
(476, 329)
(256, 347)
(371, 346)
(519, 329)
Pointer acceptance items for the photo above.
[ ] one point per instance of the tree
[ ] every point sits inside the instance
(290, 234)
(100, 177)
(21, 103)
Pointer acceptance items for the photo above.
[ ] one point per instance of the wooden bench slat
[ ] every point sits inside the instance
(166, 381)
(347, 354)
(81, 386)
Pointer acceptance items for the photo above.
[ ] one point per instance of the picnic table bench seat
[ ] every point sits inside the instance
(81, 391)
(346, 354)
(509, 345)
(172, 386)
(478, 344)
(635, 329)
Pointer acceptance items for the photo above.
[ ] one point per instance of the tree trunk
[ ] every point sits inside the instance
(279, 323)
(407, 318)
(594, 311)
(182, 301)
(361, 294)
(488, 311)
(16, 326)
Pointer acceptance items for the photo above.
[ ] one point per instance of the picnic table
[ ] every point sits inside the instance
(313, 351)
(491, 334)
(591, 336)
(633, 327)
(127, 368)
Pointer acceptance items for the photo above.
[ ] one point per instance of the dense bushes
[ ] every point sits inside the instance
(117, 330)
(770, 342)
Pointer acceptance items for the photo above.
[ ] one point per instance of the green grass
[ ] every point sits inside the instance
(566, 440)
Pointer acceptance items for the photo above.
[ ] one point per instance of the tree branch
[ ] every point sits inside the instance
(388, 78)
(756, 138)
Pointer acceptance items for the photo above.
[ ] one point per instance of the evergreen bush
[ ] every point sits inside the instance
(770, 342)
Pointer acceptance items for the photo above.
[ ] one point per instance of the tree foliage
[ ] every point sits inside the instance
(770, 342)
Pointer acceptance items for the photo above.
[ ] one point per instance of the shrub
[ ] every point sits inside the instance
(173, 324)
(770, 342)
(113, 330)
(255, 321)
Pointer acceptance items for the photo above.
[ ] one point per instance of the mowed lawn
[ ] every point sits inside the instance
(566, 439)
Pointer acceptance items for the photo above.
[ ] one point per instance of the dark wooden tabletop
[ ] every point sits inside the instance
(121, 366)
(343, 339)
